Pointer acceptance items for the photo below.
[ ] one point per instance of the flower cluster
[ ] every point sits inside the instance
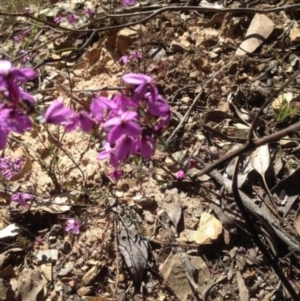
(21, 198)
(128, 2)
(9, 167)
(131, 122)
(13, 117)
(73, 225)
(134, 55)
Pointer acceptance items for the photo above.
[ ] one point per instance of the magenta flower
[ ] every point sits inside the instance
(18, 122)
(88, 11)
(135, 55)
(122, 125)
(192, 163)
(180, 174)
(58, 19)
(128, 2)
(21, 198)
(124, 59)
(146, 146)
(100, 105)
(26, 32)
(9, 76)
(57, 113)
(162, 122)
(17, 39)
(82, 119)
(158, 106)
(136, 79)
(27, 97)
(116, 174)
(108, 152)
(72, 18)
(125, 147)
(73, 225)
(9, 167)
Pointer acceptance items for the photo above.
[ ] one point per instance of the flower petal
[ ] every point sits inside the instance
(136, 78)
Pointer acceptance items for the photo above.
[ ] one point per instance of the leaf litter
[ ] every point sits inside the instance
(72, 182)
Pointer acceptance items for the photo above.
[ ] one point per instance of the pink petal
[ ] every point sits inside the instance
(133, 128)
(112, 121)
(103, 155)
(136, 78)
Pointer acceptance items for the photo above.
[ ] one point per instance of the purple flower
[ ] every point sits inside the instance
(18, 122)
(124, 59)
(89, 11)
(9, 75)
(81, 119)
(26, 32)
(125, 147)
(108, 152)
(21, 198)
(17, 39)
(136, 79)
(180, 174)
(73, 225)
(122, 125)
(192, 163)
(58, 19)
(128, 2)
(26, 96)
(25, 57)
(72, 18)
(162, 122)
(9, 167)
(146, 146)
(57, 113)
(158, 106)
(100, 105)
(116, 174)
(135, 55)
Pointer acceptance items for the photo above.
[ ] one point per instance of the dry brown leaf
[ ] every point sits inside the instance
(244, 293)
(260, 160)
(30, 284)
(260, 29)
(173, 211)
(297, 221)
(58, 205)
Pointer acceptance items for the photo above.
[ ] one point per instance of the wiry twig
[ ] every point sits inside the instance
(270, 258)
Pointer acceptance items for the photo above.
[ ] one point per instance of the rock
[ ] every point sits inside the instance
(85, 291)
(89, 277)
(260, 29)
(173, 273)
(6, 292)
(127, 35)
(176, 47)
(66, 270)
(209, 229)
(47, 271)
(47, 255)
(295, 34)
(194, 74)
(157, 53)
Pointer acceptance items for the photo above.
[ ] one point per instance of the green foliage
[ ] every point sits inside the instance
(286, 111)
